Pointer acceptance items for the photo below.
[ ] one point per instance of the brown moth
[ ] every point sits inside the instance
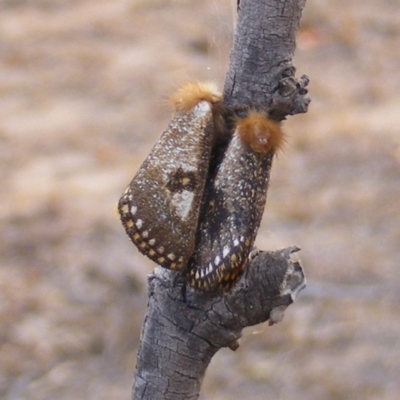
(160, 207)
(234, 204)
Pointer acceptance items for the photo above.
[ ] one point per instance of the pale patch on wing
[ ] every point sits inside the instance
(202, 109)
(188, 167)
(183, 203)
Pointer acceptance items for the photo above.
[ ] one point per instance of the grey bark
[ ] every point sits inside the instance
(184, 328)
(261, 73)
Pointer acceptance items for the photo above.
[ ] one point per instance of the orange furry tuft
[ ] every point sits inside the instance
(260, 133)
(192, 93)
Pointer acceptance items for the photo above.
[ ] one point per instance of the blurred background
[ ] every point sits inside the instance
(83, 89)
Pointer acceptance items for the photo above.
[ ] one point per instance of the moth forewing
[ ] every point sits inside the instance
(160, 207)
(234, 205)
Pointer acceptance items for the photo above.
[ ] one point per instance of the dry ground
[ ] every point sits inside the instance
(82, 90)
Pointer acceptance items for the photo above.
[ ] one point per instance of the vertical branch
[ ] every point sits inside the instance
(261, 73)
(184, 327)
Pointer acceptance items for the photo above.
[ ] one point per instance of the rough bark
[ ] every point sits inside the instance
(261, 73)
(183, 327)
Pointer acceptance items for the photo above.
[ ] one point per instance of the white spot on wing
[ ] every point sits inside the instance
(183, 203)
(188, 167)
(217, 260)
(210, 268)
(202, 109)
(133, 210)
(225, 252)
(139, 223)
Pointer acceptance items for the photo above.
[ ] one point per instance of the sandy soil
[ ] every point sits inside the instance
(82, 100)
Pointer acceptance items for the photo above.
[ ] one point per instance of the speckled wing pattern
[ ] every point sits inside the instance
(160, 207)
(230, 217)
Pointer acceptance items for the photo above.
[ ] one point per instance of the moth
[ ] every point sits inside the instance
(234, 204)
(160, 207)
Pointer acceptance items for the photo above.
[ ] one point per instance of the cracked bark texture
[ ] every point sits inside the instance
(261, 73)
(184, 328)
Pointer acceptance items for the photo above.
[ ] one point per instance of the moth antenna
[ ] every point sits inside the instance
(192, 93)
(260, 133)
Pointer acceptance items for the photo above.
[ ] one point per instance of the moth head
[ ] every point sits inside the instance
(260, 133)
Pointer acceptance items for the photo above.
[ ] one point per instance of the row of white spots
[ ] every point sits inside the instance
(152, 242)
(217, 261)
(145, 234)
(139, 222)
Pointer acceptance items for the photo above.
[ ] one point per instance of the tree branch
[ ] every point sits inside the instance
(261, 73)
(183, 330)
(185, 327)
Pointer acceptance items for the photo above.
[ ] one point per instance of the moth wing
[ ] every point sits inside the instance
(160, 207)
(230, 217)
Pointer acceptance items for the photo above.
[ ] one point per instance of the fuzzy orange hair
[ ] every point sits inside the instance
(192, 93)
(260, 133)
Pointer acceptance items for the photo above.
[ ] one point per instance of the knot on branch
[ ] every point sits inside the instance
(290, 96)
(269, 285)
